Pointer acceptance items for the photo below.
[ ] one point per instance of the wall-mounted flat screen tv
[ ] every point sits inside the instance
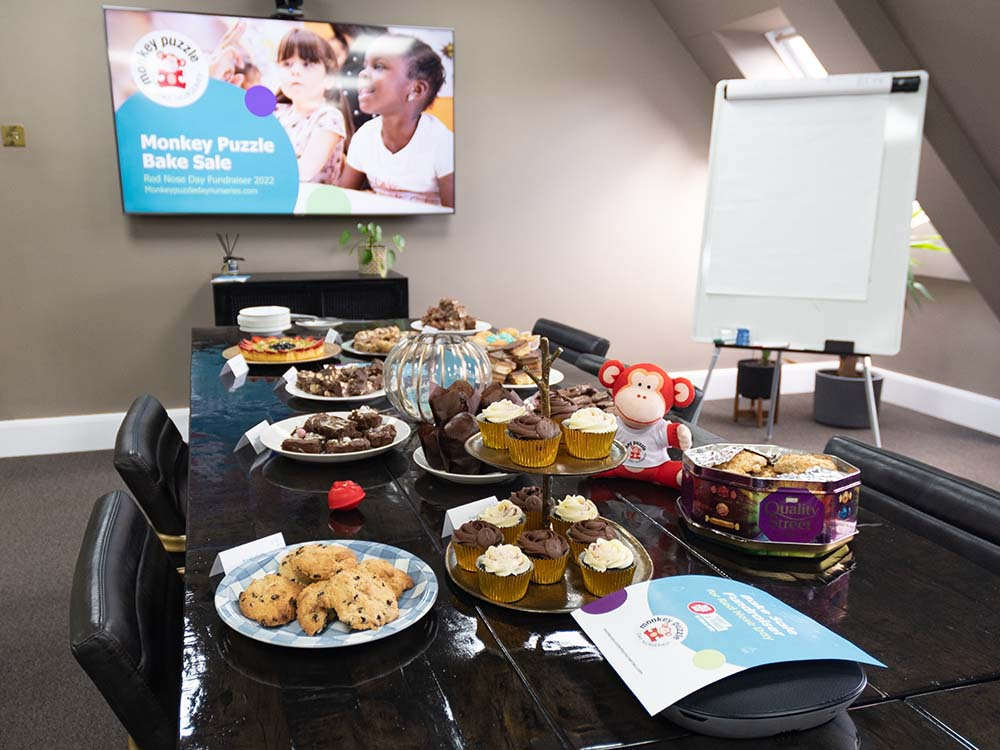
(234, 115)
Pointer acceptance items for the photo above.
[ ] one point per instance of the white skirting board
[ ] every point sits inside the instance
(84, 432)
(93, 432)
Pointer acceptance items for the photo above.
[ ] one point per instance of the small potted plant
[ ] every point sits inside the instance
(374, 257)
(754, 376)
(839, 397)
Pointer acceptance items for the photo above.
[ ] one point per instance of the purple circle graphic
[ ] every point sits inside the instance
(260, 100)
(608, 603)
(791, 517)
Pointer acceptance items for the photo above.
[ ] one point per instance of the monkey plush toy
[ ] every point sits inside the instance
(643, 394)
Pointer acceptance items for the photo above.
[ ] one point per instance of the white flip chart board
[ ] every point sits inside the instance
(807, 221)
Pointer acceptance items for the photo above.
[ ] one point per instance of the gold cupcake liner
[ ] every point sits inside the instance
(558, 525)
(575, 548)
(588, 445)
(494, 434)
(467, 556)
(603, 583)
(510, 533)
(533, 453)
(504, 588)
(548, 571)
(533, 520)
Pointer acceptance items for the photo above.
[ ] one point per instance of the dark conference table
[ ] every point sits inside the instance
(475, 675)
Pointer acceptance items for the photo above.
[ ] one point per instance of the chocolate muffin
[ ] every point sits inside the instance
(548, 551)
(473, 538)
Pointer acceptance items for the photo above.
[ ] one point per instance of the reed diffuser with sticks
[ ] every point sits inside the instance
(230, 262)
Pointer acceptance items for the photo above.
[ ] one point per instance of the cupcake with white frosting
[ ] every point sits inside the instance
(569, 510)
(607, 566)
(589, 432)
(507, 517)
(493, 422)
(504, 572)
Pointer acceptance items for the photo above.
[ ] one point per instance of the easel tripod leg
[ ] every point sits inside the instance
(704, 388)
(872, 411)
(774, 396)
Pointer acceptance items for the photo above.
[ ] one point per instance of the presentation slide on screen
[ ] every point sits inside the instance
(232, 115)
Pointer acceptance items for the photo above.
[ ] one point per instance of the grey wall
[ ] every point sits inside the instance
(582, 134)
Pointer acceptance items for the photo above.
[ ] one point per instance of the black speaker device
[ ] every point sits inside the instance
(772, 699)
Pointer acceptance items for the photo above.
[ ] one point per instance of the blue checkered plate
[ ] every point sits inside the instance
(413, 604)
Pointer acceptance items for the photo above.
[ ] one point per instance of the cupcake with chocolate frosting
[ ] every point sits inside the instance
(529, 499)
(607, 566)
(571, 509)
(507, 517)
(584, 533)
(504, 573)
(548, 552)
(472, 539)
(533, 440)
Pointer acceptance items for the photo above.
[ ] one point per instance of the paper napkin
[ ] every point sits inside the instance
(463, 513)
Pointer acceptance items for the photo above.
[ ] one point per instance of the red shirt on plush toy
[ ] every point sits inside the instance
(643, 394)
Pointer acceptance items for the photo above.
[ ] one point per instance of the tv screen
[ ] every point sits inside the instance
(234, 115)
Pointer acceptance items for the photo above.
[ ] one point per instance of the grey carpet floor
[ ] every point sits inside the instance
(955, 449)
(47, 701)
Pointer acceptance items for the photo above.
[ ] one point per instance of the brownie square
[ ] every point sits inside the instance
(331, 427)
(307, 444)
(347, 445)
(365, 418)
(382, 435)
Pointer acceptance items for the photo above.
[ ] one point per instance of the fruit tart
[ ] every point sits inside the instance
(281, 348)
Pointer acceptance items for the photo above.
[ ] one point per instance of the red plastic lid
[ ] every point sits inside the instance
(345, 496)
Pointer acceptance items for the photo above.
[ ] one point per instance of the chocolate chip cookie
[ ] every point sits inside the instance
(270, 600)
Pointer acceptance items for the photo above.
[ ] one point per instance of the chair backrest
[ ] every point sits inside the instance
(958, 514)
(573, 341)
(126, 620)
(152, 459)
(687, 412)
(590, 362)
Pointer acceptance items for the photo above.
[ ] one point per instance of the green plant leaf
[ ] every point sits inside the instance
(345, 236)
(390, 257)
(366, 256)
(917, 286)
(378, 233)
(400, 241)
(936, 246)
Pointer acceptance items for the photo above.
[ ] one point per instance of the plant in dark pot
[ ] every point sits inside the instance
(839, 398)
(754, 376)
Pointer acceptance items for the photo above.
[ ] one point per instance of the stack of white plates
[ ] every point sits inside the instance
(264, 320)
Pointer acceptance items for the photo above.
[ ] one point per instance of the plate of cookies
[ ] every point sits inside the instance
(335, 437)
(339, 383)
(326, 594)
(374, 342)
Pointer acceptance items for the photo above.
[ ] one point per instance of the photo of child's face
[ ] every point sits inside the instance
(384, 84)
(301, 78)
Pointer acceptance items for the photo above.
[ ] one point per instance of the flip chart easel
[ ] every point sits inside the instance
(807, 220)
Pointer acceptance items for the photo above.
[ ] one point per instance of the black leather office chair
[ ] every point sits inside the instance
(956, 513)
(573, 341)
(687, 413)
(152, 459)
(126, 621)
(590, 362)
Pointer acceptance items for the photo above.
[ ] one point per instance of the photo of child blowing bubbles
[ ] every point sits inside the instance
(404, 152)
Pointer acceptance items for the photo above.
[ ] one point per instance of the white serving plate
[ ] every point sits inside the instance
(497, 477)
(273, 436)
(298, 392)
(264, 311)
(481, 325)
(555, 376)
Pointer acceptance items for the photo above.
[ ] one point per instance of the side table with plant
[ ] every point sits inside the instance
(374, 257)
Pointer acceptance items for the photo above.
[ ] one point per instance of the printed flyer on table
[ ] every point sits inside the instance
(670, 637)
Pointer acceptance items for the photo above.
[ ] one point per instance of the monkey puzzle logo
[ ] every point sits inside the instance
(662, 630)
(169, 68)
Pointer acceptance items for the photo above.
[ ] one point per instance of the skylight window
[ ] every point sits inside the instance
(795, 53)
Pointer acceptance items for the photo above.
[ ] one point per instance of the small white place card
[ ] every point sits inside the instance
(236, 365)
(229, 559)
(252, 437)
(464, 513)
(333, 337)
(290, 375)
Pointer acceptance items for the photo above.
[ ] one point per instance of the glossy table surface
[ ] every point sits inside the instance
(472, 675)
